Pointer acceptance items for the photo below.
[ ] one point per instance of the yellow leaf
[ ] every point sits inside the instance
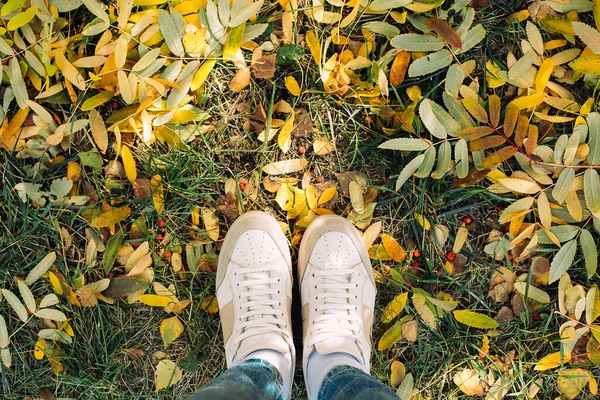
(21, 19)
(292, 85)
(393, 248)
(399, 68)
(321, 146)
(420, 304)
(475, 320)
(210, 305)
(394, 308)
(154, 300)
(40, 349)
(311, 197)
(15, 124)
(55, 282)
(525, 102)
(128, 163)
(520, 185)
(392, 335)
(285, 135)
(234, 40)
(158, 193)
(314, 45)
(552, 361)
(170, 330)
(543, 75)
(424, 222)
(202, 73)
(461, 238)
(111, 217)
(167, 374)
(327, 195)
(476, 110)
(69, 71)
(398, 372)
(99, 132)
(97, 100)
(570, 382)
(587, 64)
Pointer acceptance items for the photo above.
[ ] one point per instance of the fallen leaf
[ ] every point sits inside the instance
(469, 383)
(322, 146)
(167, 374)
(170, 330)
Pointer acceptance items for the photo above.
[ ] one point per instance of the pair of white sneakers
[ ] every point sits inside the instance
(254, 291)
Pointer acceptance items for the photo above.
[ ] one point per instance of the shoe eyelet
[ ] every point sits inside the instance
(357, 285)
(315, 286)
(355, 296)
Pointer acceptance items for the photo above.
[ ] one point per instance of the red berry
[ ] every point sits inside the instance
(416, 254)
(167, 254)
(161, 223)
(115, 104)
(510, 256)
(242, 186)
(467, 220)
(159, 236)
(387, 179)
(499, 208)
(536, 317)
(434, 287)
(450, 256)
(318, 179)
(415, 265)
(301, 150)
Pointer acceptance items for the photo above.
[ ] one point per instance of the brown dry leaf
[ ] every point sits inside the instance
(240, 80)
(304, 124)
(468, 382)
(409, 331)
(346, 177)
(442, 28)
(211, 223)
(322, 146)
(264, 67)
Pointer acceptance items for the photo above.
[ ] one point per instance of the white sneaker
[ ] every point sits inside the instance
(337, 288)
(254, 291)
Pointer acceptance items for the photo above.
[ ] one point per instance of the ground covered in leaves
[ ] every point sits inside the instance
(461, 137)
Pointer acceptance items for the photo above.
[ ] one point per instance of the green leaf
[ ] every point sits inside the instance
(242, 12)
(590, 252)
(588, 35)
(234, 40)
(97, 100)
(454, 79)
(591, 190)
(415, 42)
(41, 268)
(381, 5)
(112, 248)
(406, 144)
(444, 163)
(593, 120)
(4, 341)
(51, 313)
(431, 122)
(562, 261)
(472, 38)
(21, 19)
(16, 304)
(521, 66)
(125, 285)
(406, 388)
(409, 170)
(532, 292)
(91, 159)
(461, 158)
(26, 295)
(61, 188)
(564, 233)
(431, 63)
(96, 9)
(427, 165)
(382, 28)
(475, 320)
(171, 32)
(561, 189)
(10, 6)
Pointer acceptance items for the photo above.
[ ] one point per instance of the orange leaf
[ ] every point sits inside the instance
(486, 143)
(240, 80)
(498, 157)
(393, 248)
(399, 67)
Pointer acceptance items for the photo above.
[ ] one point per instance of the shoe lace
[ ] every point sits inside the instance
(260, 311)
(336, 316)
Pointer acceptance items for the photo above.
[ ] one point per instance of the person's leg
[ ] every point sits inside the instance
(337, 288)
(254, 292)
(250, 380)
(346, 383)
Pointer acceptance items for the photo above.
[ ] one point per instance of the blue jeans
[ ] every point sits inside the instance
(258, 380)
